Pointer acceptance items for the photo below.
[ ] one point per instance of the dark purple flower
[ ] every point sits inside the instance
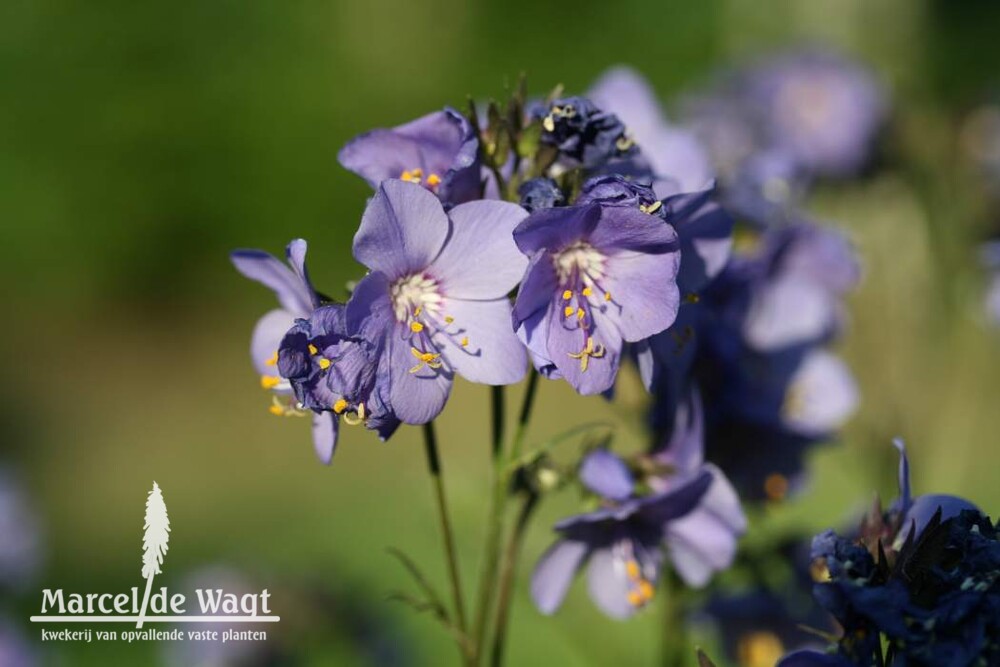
(765, 189)
(539, 193)
(599, 276)
(675, 157)
(439, 151)
(621, 542)
(619, 190)
(811, 658)
(436, 296)
(703, 541)
(298, 299)
(585, 135)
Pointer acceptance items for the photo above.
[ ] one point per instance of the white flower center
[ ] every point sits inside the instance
(580, 261)
(414, 295)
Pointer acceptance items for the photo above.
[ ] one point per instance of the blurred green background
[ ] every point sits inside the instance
(140, 142)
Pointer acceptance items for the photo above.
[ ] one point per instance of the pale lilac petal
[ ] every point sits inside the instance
(554, 573)
(789, 311)
(417, 397)
(679, 161)
(821, 395)
(685, 451)
(369, 310)
(259, 266)
(380, 155)
(480, 260)
(553, 229)
(566, 342)
(620, 228)
(402, 230)
(606, 475)
(324, 431)
(296, 255)
(538, 288)
(266, 338)
(627, 94)
(480, 344)
(608, 584)
(644, 294)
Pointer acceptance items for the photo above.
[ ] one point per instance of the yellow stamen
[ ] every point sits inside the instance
(607, 296)
(635, 598)
(426, 359)
(759, 649)
(465, 341)
(819, 571)
(776, 486)
(567, 311)
(449, 319)
(549, 124)
(588, 352)
(340, 406)
(272, 360)
(324, 363)
(632, 570)
(580, 314)
(269, 381)
(313, 350)
(646, 590)
(567, 295)
(275, 410)
(587, 291)
(416, 327)
(433, 180)
(412, 175)
(417, 311)
(652, 208)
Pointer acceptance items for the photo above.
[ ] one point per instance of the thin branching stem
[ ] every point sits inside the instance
(508, 574)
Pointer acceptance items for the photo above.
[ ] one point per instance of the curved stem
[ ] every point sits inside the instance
(434, 467)
(507, 575)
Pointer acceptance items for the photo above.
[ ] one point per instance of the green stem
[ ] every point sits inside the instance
(507, 575)
(674, 648)
(525, 416)
(434, 467)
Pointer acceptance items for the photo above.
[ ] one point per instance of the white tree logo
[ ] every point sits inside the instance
(154, 543)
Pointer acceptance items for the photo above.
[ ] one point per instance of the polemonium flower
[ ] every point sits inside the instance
(766, 188)
(703, 541)
(621, 542)
(439, 151)
(599, 276)
(675, 156)
(584, 134)
(823, 109)
(298, 299)
(437, 294)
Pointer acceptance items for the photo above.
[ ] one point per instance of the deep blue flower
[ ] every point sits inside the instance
(621, 542)
(584, 134)
(811, 658)
(539, 193)
(439, 151)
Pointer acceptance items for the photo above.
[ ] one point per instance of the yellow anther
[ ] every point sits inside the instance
(426, 359)
(465, 341)
(819, 571)
(759, 649)
(567, 295)
(632, 570)
(448, 319)
(580, 314)
(651, 208)
(340, 406)
(433, 180)
(272, 360)
(624, 143)
(269, 381)
(417, 311)
(416, 327)
(607, 296)
(313, 349)
(567, 311)
(412, 175)
(646, 590)
(776, 486)
(324, 363)
(549, 124)
(635, 598)
(275, 410)
(588, 352)
(587, 291)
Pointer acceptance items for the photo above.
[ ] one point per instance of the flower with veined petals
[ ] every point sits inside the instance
(437, 294)
(621, 541)
(599, 276)
(439, 151)
(298, 299)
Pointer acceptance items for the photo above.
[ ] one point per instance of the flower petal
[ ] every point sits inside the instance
(606, 475)
(416, 397)
(324, 430)
(554, 573)
(590, 366)
(645, 298)
(480, 259)
(537, 288)
(621, 228)
(608, 583)
(266, 339)
(295, 254)
(257, 265)
(381, 154)
(402, 230)
(555, 228)
(491, 353)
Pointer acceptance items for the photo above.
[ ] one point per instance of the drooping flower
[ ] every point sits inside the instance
(436, 297)
(675, 157)
(621, 542)
(439, 151)
(599, 276)
(703, 541)
(584, 134)
(298, 299)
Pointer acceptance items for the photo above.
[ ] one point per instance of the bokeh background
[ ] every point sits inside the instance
(140, 142)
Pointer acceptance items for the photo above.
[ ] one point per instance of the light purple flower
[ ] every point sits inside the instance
(675, 155)
(621, 542)
(599, 276)
(439, 151)
(21, 546)
(437, 292)
(298, 299)
(703, 541)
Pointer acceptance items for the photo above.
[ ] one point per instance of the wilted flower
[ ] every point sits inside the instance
(439, 151)
(599, 276)
(436, 298)
(621, 541)
(675, 157)
(583, 133)
(298, 299)
(539, 193)
(703, 541)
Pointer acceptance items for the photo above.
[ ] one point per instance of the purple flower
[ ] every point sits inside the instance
(811, 658)
(584, 134)
(539, 193)
(436, 298)
(675, 156)
(599, 276)
(298, 299)
(439, 151)
(766, 188)
(619, 190)
(704, 540)
(15, 648)
(621, 542)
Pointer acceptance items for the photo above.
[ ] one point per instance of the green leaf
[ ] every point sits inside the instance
(704, 660)
(419, 577)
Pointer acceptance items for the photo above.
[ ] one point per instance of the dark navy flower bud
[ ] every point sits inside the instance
(539, 193)
(585, 133)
